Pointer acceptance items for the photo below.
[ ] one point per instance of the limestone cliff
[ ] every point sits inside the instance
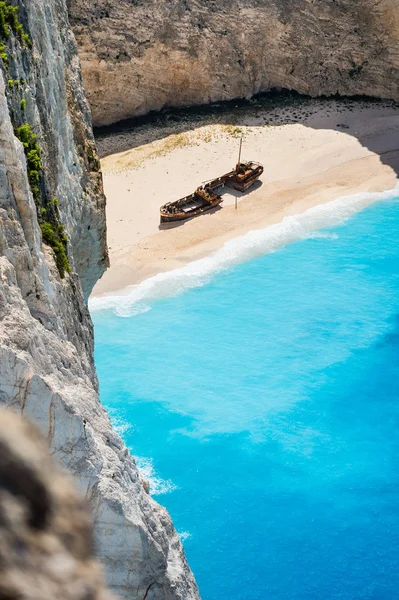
(143, 55)
(51, 191)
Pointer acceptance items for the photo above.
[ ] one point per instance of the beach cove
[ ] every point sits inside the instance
(250, 364)
(313, 151)
(205, 409)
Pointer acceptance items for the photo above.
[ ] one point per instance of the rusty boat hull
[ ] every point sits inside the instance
(182, 216)
(190, 206)
(246, 176)
(205, 197)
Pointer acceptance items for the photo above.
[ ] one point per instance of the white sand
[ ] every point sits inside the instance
(306, 163)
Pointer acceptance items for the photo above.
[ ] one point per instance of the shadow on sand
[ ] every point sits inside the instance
(273, 108)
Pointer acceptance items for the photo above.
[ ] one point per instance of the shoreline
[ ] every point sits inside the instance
(334, 149)
(135, 299)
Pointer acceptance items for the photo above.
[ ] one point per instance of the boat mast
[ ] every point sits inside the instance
(239, 154)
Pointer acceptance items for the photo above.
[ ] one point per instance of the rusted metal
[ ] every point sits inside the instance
(205, 197)
(246, 175)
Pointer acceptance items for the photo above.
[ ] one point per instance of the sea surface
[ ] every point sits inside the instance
(259, 389)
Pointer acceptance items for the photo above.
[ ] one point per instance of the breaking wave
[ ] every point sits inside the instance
(136, 299)
(120, 425)
(157, 484)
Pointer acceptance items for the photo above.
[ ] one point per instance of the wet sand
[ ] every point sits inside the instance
(313, 151)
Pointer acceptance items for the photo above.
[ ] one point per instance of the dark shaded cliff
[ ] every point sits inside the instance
(143, 55)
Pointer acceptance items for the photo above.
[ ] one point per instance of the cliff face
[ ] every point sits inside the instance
(143, 55)
(51, 190)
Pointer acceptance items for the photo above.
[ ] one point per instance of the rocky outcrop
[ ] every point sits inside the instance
(46, 546)
(46, 338)
(148, 54)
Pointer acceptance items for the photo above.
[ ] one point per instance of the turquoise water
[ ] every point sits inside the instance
(264, 407)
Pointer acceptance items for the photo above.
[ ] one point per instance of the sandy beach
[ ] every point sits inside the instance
(313, 151)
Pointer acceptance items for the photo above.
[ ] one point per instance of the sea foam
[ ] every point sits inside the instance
(157, 484)
(120, 425)
(145, 465)
(136, 299)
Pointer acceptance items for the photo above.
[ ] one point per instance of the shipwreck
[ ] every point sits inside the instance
(207, 196)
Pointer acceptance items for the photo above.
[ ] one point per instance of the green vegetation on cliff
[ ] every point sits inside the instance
(54, 235)
(47, 211)
(48, 214)
(4, 55)
(28, 138)
(9, 22)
